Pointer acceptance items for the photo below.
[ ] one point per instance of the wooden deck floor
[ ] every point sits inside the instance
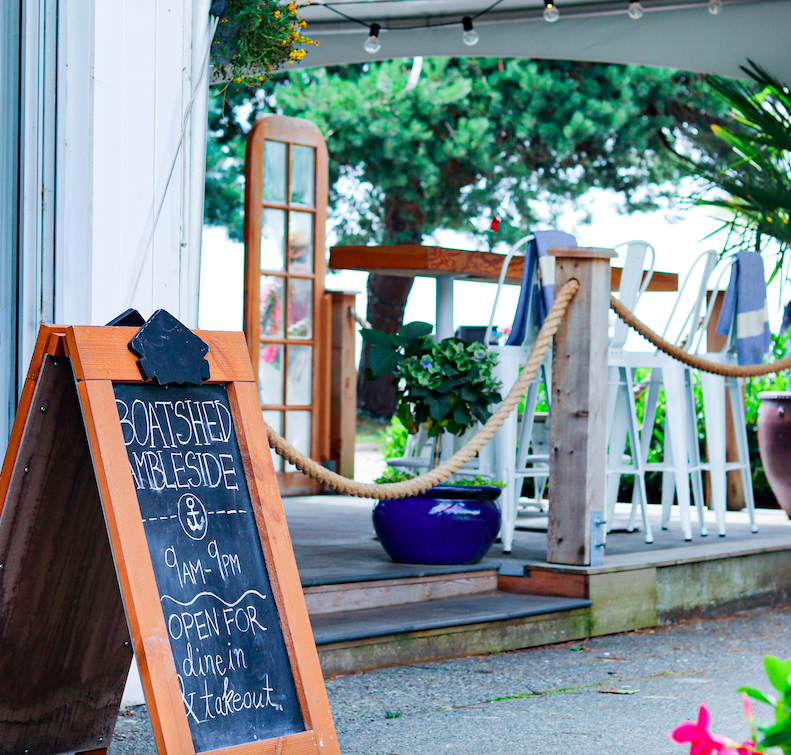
(334, 541)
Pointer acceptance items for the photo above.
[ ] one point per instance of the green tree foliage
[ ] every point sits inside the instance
(224, 204)
(516, 138)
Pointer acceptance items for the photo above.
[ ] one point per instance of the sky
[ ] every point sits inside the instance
(679, 237)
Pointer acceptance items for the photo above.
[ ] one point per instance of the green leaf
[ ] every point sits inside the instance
(467, 393)
(383, 361)
(439, 406)
(462, 416)
(756, 694)
(481, 413)
(376, 337)
(412, 332)
(777, 672)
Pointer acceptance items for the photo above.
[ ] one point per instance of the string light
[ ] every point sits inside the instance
(470, 36)
(715, 7)
(551, 13)
(636, 10)
(372, 44)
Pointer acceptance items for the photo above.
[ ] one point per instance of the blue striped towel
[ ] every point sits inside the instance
(745, 303)
(543, 294)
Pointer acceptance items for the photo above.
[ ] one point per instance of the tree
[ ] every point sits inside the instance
(474, 138)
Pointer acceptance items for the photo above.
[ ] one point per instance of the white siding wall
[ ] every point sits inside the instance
(121, 128)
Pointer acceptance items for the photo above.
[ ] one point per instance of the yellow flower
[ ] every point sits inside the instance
(277, 14)
(317, 43)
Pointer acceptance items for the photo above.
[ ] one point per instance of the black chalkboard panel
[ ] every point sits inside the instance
(210, 572)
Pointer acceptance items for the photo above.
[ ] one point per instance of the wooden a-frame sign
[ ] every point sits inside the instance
(145, 514)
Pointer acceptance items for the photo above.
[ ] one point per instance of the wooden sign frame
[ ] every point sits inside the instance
(69, 700)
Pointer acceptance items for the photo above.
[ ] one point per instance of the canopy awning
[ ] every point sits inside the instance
(680, 35)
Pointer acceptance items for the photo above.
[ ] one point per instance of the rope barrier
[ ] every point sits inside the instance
(441, 473)
(692, 360)
(462, 456)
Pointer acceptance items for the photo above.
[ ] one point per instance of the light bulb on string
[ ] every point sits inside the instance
(372, 44)
(636, 10)
(551, 13)
(470, 36)
(715, 7)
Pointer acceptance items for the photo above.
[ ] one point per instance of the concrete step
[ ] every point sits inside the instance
(374, 594)
(445, 628)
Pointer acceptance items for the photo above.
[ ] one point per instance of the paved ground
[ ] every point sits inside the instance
(548, 701)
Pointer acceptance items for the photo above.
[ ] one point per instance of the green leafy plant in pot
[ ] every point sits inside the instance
(441, 386)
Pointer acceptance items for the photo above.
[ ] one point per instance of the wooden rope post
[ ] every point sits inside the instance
(577, 433)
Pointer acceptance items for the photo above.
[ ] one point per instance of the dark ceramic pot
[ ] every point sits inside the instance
(451, 524)
(774, 443)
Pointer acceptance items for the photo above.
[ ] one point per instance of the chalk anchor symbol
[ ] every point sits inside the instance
(192, 516)
(195, 520)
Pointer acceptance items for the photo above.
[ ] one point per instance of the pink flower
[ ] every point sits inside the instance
(697, 734)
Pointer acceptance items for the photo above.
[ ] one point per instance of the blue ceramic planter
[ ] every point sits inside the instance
(452, 524)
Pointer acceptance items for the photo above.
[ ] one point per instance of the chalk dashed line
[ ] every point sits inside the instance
(175, 516)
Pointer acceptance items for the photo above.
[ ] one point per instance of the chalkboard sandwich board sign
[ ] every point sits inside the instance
(139, 461)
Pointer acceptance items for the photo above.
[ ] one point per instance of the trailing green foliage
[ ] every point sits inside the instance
(255, 39)
(445, 385)
(391, 474)
(473, 482)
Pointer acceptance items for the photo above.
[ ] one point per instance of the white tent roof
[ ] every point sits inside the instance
(671, 34)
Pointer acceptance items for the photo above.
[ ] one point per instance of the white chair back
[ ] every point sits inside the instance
(519, 245)
(730, 341)
(631, 288)
(704, 267)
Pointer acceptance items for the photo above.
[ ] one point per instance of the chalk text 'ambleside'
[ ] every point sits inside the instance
(162, 429)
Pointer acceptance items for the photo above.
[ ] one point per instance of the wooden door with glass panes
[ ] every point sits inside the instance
(285, 213)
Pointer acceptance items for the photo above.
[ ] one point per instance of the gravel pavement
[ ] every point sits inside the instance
(551, 700)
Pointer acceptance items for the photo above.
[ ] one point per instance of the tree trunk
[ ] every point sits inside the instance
(387, 295)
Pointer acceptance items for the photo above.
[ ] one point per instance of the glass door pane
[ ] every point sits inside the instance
(300, 308)
(302, 160)
(274, 189)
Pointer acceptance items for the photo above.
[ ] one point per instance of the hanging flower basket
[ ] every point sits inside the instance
(255, 39)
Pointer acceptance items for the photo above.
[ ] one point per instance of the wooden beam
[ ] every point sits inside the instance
(437, 262)
(343, 386)
(577, 434)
